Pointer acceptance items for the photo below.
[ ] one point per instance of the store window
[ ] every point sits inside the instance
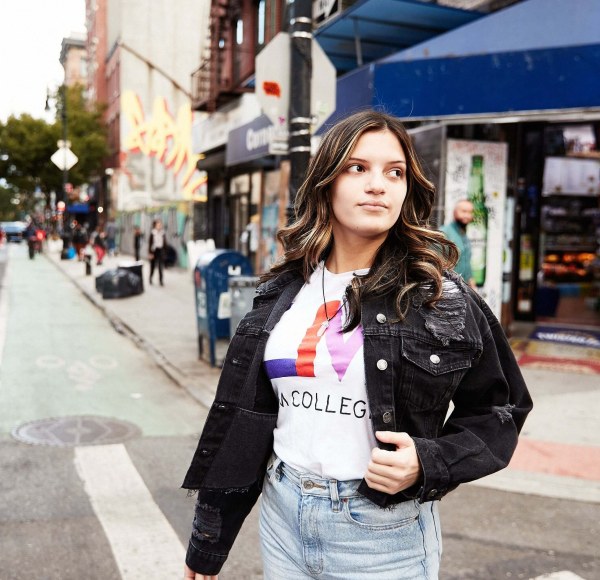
(569, 284)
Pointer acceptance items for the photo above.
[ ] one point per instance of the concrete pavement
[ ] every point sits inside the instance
(559, 452)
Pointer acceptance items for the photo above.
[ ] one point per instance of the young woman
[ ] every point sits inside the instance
(334, 393)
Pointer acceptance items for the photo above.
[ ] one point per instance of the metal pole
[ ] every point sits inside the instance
(63, 113)
(300, 30)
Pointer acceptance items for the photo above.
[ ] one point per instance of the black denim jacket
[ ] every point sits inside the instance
(456, 352)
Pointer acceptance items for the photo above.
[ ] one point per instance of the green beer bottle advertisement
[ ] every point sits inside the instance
(478, 228)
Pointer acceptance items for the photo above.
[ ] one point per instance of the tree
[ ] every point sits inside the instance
(26, 145)
(87, 133)
(8, 210)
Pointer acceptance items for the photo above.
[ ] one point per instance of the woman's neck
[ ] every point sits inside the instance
(348, 259)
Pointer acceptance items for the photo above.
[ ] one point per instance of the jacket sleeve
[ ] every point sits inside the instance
(490, 407)
(217, 521)
(150, 242)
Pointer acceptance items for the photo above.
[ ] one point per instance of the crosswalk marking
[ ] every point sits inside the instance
(564, 575)
(143, 542)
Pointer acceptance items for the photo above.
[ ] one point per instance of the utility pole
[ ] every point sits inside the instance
(63, 116)
(300, 30)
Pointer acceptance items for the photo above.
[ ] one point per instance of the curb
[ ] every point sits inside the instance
(200, 393)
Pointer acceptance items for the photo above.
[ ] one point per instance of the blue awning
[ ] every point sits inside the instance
(535, 56)
(372, 29)
(79, 208)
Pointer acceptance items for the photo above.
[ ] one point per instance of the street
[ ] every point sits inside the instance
(93, 491)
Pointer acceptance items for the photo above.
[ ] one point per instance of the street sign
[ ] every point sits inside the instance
(273, 82)
(64, 158)
(324, 9)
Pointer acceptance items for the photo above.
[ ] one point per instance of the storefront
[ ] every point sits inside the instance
(515, 83)
(257, 191)
(229, 203)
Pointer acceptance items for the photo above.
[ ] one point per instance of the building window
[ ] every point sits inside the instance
(239, 32)
(260, 39)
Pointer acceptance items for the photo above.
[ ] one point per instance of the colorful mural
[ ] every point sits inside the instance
(165, 137)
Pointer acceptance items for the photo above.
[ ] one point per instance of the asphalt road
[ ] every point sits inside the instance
(114, 510)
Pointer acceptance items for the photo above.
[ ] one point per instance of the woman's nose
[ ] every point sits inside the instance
(375, 183)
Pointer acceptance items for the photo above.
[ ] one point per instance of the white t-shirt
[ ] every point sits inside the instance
(318, 376)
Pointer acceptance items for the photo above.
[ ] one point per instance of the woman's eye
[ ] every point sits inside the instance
(397, 172)
(355, 168)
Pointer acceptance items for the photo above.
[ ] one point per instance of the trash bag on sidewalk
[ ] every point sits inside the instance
(119, 284)
(100, 280)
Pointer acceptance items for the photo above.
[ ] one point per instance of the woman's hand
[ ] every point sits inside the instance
(189, 574)
(393, 471)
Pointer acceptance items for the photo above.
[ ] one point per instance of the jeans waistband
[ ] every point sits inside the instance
(311, 484)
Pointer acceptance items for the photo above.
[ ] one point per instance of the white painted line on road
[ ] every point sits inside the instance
(143, 542)
(564, 575)
(4, 306)
(50, 361)
(103, 362)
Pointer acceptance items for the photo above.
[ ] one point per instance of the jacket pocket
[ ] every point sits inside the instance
(433, 371)
(241, 457)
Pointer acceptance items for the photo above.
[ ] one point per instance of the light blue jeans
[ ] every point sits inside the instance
(312, 527)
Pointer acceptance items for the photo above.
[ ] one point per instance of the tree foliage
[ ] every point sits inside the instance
(26, 145)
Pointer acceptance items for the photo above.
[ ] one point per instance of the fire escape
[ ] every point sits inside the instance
(218, 79)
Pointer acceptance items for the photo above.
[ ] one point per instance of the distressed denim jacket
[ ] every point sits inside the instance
(455, 352)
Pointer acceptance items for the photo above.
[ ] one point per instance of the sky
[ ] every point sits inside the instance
(31, 33)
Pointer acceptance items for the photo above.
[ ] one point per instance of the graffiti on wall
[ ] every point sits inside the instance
(166, 137)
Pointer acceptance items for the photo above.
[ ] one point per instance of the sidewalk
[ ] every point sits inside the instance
(559, 450)
(162, 321)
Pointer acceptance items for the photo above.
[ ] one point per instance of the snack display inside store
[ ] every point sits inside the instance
(570, 226)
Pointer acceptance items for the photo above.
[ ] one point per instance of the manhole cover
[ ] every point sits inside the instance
(72, 431)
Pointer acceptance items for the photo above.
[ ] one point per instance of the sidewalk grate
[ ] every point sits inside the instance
(74, 431)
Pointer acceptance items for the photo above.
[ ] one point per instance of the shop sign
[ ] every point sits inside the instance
(323, 10)
(213, 131)
(250, 141)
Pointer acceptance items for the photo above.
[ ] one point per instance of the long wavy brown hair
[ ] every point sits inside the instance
(413, 254)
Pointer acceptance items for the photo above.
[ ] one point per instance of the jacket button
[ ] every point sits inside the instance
(381, 318)
(435, 359)
(432, 493)
(382, 364)
(387, 417)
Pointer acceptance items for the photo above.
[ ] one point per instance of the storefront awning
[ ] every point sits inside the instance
(533, 57)
(372, 29)
(78, 208)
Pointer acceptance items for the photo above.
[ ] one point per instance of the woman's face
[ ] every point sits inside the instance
(368, 195)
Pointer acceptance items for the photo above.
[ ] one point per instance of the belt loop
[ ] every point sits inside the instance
(335, 496)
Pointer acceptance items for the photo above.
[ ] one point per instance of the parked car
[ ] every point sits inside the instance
(13, 231)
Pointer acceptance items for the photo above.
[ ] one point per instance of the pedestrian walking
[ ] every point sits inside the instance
(111, 237)
(80, 240)
(334, 393)
(456, 232)
(98, 240)
(137, 242)
(156, 250)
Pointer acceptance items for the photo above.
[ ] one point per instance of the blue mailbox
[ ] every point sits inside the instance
(213, 300)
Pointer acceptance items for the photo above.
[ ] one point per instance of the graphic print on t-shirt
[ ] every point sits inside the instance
(341, 351)
(318, 376)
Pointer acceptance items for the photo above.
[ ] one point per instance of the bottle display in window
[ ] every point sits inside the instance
(478, 229)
